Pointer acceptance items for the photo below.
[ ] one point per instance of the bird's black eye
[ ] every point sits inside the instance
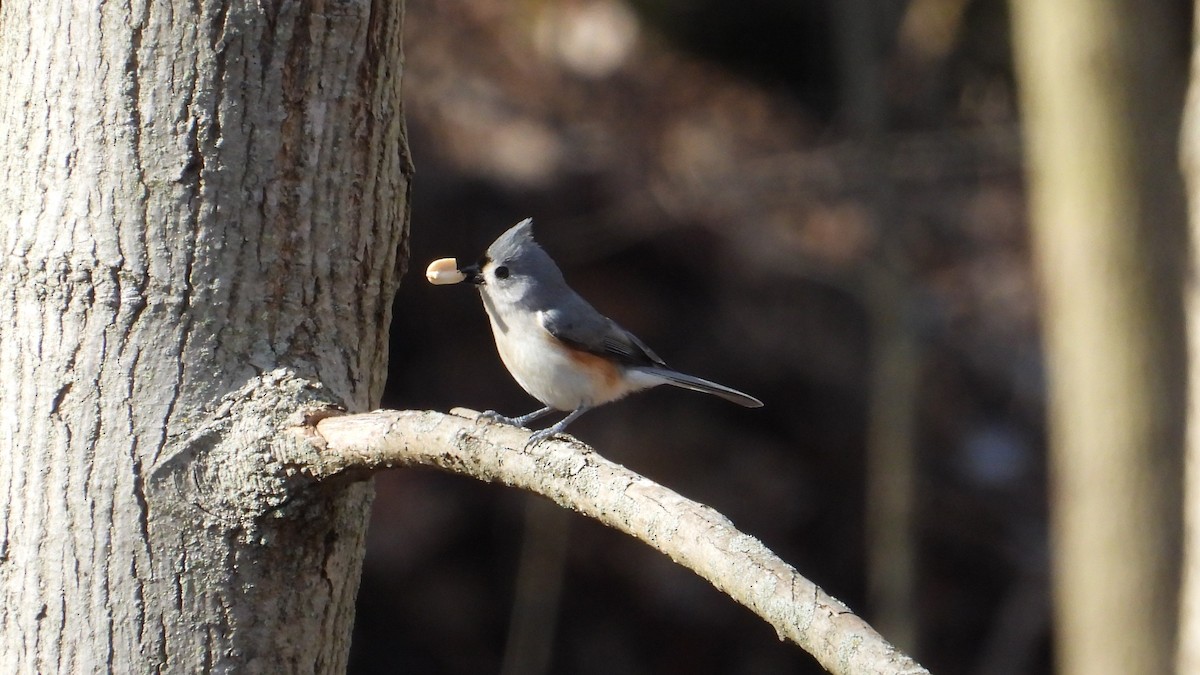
(501, 272)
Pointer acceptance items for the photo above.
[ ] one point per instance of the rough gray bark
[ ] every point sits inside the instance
(1101, 101)
(573, 476)
(193, 194)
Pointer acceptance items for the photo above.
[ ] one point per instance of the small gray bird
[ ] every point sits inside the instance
(557, 346)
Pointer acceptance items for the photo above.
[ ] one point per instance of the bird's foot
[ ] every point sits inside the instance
(493, 416)
(555, 429)
(522, 421)
(539, 436)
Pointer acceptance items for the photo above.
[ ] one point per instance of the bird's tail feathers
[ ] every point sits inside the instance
(702, 385)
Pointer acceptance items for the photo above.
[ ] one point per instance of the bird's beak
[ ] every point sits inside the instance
(474, 274)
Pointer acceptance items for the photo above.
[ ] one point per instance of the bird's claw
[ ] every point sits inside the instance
(539, 436)
(493, 416)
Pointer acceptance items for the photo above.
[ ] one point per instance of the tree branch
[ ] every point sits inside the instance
(574, 476)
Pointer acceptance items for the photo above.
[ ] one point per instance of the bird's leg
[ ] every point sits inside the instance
(516, 421)
(539, 436)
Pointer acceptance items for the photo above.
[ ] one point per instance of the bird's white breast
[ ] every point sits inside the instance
(557, 376)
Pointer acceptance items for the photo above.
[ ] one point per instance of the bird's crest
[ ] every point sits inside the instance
(514, 243)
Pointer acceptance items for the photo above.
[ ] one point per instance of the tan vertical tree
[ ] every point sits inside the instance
(1189, 629)
(1101, 103)
(202, 221)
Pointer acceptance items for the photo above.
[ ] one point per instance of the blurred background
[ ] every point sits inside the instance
(818, 202)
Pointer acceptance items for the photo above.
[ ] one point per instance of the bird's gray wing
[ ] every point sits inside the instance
(582, 327)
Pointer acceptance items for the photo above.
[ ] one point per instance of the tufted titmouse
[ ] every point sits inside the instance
(558, 347)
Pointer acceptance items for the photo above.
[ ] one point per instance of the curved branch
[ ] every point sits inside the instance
(574, 476)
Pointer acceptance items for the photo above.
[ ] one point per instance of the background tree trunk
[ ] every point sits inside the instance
(1189, 627)
(887, 292)
(1101, 113)
(204, 214)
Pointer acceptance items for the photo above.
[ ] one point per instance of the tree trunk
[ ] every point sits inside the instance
(1101, 102)
(204, 219)
(1189, 626)
(891, 453)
